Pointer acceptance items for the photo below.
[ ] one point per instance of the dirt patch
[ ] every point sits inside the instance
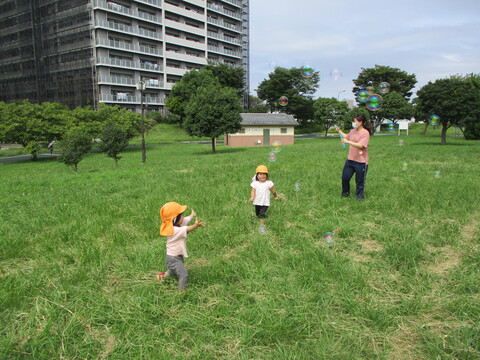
(470, 231)
(445, 259)
(184, 171)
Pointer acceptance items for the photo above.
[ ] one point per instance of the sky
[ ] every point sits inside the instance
(432, 39)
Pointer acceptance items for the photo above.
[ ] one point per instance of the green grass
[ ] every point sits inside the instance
(79, 254)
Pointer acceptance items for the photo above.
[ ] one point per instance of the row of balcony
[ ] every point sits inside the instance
(128, 99)
(127, 29)
(126, 81)
(129, 64)
(220, 50)
(223, 24)
(121, 45)
(224, 38)
(224, 11)
(108, 5)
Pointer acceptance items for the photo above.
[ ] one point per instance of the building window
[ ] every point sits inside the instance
(283, 130)
(241, 131)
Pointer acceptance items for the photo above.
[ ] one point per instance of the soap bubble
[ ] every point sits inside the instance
(434, 120)
(283, 101)
(362, 96)
(391, 126)
(328, 239)
(369, 89)
(276, 146)
(437, 174)
(400, 142)
(374, 102)
(272, 157)
(335, 74)
(297, 186)
(307, 71)
(384, 87)
(404, 166)
(261, 229)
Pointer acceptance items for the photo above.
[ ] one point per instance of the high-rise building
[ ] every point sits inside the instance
(82, 52)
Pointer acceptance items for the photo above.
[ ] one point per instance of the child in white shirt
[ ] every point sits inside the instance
(174, 227)
(260, 194)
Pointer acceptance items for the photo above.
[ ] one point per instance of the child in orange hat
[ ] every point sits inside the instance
(260, 194)
(174, 227)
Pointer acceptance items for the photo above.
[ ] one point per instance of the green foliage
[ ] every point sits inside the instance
(395, 107)
(179, 98)
(74, 147)
(400, 81)
(33, 147)
(113, 141)
(455, 100)
(213, 111)
(297, 88)
(229, 76)
(256, 105)
(472, 130)
(328, 112)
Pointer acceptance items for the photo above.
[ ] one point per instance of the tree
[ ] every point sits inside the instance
(455, 100)
(398, 80)
(256, 105)
(395, 107)
(75, 146)
(113, 141)
(181, 93)
(229, 76)
(212, 111)
(328, 112)
(296, 88)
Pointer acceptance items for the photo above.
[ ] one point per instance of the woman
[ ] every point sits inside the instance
(357, 161)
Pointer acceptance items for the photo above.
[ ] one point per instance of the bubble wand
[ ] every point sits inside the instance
(341, 137)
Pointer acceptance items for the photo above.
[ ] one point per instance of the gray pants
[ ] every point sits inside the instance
(176, 268)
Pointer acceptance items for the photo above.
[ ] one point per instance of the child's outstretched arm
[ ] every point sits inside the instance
(252, 195)
(188, 218)
(196, 225)
(274, 192)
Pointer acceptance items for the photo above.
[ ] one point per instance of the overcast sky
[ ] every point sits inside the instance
(429, 38)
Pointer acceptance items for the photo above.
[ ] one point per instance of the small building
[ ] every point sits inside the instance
(260, 129)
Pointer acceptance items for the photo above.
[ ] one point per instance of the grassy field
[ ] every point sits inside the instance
(79, 254)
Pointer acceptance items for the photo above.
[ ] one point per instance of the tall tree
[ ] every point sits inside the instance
(179, 98)
(113, 141)
(399, 81)
(455, 100)
(229, 76)
(328, 112)
(212, 111)
(395, 107)
(295, 86)
(75, 146)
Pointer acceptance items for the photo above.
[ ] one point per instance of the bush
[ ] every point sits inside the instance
(472, 130)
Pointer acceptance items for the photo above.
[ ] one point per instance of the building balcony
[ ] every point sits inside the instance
(110, 25)
(119, 9)
(128, 64)
(224, 11)
(173, 55)
(234, 2)
(223, 51)
(120, 45)
(156, 3)
(128, 99)
(223, 38)
(125, 81)
(186, 43)
(184, 12)
(221, 23)
(200, 3)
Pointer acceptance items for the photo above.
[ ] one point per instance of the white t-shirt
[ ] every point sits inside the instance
(262, 192)
(177, 243)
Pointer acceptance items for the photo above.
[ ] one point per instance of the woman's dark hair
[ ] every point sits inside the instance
(256, 176)
(176, 221)
(365, 123)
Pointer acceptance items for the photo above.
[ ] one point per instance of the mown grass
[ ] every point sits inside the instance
(79, 254)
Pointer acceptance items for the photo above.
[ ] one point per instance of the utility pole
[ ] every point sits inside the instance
(141, 86)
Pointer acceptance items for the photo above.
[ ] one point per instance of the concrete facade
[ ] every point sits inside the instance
(83, 52)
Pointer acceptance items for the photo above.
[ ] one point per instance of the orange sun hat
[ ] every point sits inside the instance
(168, 212)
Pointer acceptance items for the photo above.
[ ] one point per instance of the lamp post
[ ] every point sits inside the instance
(141, 86)
(338, 96)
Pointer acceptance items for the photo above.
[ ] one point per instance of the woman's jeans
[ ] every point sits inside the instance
(360, 170)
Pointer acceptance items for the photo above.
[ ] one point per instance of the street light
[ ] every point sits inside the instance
(338, 96)
(141, 86)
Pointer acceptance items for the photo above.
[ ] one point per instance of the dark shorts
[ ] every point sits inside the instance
(261, 211)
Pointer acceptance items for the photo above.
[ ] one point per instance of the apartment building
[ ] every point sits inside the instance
(86, 52)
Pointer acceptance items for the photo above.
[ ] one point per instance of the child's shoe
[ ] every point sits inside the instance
(161, 276)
